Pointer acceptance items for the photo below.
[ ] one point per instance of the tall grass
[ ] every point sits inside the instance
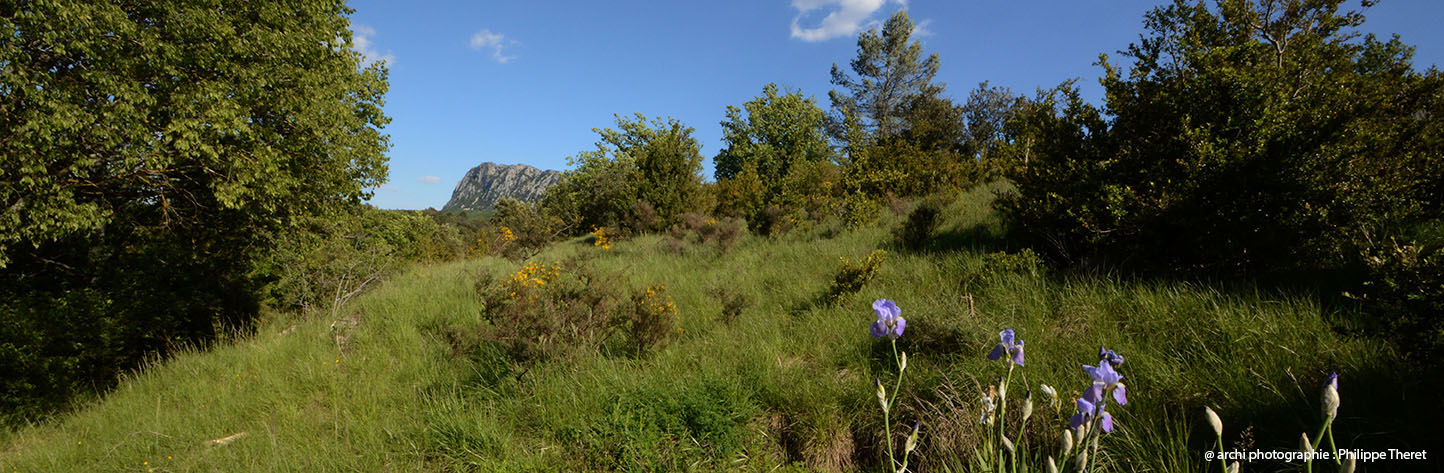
(787, 384)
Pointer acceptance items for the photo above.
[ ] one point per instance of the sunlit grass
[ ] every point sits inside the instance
(788, 383)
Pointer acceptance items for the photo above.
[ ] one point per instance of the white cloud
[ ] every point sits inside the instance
(844, 17)
(496, 42)
(361, 41)
(429, 179)
(920, 29)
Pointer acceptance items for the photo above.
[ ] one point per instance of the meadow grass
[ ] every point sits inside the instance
(786, 385)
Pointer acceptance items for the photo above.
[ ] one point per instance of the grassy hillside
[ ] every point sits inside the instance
(789, 381)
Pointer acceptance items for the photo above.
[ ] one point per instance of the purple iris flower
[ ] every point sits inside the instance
(1112, 358)
(1085, 412)
(889, 319)
(1090, 405)
(1106, 379)
(1009, 347)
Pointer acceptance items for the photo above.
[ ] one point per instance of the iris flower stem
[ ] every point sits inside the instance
(1022, 441)
(1093, 457)
(1223, 465)
(1095, 430)
(1332, 446)
(887, 422)
(1319, 440)
(1003, 413)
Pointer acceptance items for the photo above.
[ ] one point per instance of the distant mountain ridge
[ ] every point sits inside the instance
(488, 183)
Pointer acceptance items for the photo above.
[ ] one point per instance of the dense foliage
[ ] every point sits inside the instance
(1250, 136)
(151, 150)
(638, 168)
(776, 157)
(899, 133)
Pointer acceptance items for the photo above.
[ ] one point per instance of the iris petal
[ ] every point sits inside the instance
(1106, 374)
(885, 309)
(1094, 393)
(1018, 355)
(1107, 422)
(879, 329)
(997, 352)
(1085, 406)
(1120, 394)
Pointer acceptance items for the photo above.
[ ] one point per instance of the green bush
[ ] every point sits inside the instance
(852, 277)
(858, 210)
(529, 226)
(557, 310)
(1404, 290)
(656, 163)
(1024, 261)
(922, 221)
(1222, 154)
(329, 260)
(653, 319)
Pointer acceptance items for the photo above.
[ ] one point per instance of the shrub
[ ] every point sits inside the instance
(851, 277)
(601, 239)
(918, 229)
(653, 319)
(858, 210)
(1219, 153)
(1404, 291)
(548, 311)
(329, 260)
(1022, 261)
(673, 245)
(720, 233)
(641, 218)
(732, 302)
(776, 221)
(530, 228)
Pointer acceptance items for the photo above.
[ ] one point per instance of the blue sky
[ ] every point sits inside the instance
(526, 82)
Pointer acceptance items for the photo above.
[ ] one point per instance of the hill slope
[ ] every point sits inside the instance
(788, 382)
(488, 183)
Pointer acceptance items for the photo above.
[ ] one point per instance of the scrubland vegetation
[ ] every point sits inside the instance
(1250, 219)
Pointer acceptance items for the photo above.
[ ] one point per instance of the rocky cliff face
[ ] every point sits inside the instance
(488, 183)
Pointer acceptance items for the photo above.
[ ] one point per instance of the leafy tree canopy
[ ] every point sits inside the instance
(152, 154)
(174, 114)
(776, 132)
(1248, 135)
(657, 164)
(891, 73)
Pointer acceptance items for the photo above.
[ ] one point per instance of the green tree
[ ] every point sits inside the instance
(891, 74)
(655, 166)
(669, 164)
(987, 113)
(150, 150)
(774, 146)
(1248, 137)
(899, 133)
(776, 133)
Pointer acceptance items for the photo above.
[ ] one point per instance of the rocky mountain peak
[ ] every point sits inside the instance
(488, 183)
